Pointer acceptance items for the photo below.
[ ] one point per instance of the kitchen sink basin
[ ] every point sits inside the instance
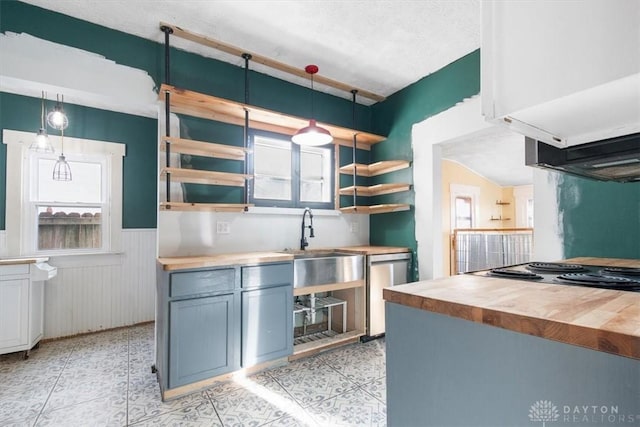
(321, 267)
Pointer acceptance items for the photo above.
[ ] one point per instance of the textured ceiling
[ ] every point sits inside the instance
(495, 153)
(378, 45)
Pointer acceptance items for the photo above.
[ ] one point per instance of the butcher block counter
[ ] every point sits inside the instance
(204, 261)
(601, 319)
(468, 348)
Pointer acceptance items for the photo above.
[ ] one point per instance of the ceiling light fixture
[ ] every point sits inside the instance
(312, 134)
(57, 119)
(62, 170)
(41, 144)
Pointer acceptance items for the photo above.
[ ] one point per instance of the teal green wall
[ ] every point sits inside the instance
(599, 218)
(187, 70)
(138, 133)
(395, 117)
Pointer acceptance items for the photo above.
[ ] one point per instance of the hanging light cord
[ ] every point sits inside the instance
(312, 112)
(42, 114)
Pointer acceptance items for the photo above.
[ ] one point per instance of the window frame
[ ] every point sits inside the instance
(295, 201)
(21, 218)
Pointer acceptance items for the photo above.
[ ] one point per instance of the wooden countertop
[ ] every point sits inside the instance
(374, 250)
(183, 263)
(203, 261)
(13, 261)
(599, 319)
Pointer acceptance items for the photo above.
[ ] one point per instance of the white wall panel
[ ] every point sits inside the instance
(93, 296)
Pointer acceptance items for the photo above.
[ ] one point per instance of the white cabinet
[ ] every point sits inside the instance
(22, 305)
(562, 72)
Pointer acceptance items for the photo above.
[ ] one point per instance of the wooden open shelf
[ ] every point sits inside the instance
(202, 148)
(375, 169)
(195, 176)
(203, 207)
(210, 107)
(376, 209)
(374, 190)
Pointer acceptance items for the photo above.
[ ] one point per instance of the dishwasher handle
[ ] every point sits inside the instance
(374, 259)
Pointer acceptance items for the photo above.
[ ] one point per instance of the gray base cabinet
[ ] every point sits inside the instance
(202, 332)
(267, 324)
(214, 321)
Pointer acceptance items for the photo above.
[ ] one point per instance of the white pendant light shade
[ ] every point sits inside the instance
(312, 135)
(61, 170)
(57, 119)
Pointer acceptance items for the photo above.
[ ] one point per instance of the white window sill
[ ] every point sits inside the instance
(85, 259)
(263, 210)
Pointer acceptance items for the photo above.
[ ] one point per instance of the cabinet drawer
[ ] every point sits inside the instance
(14, 269)
(200, 282)
(267, 275)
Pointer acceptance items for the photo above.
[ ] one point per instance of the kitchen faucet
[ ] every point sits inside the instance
(303, 240)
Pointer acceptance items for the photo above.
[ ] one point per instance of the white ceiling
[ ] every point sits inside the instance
(495, 153)
(377, 45)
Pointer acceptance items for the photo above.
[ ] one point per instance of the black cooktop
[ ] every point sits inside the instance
(618, 278)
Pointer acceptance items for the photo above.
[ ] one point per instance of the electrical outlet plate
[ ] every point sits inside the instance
(223, 227)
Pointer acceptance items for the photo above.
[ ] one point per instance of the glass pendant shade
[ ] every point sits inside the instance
(57, 119)
(41, 144)
(61, 170)
(312, 135)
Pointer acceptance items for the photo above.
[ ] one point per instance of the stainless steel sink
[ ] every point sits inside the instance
(321, 267)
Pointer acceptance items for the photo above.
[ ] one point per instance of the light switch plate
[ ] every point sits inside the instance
(353, 227)
(223, 227)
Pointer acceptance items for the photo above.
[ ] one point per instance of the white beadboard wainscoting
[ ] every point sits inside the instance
(92, 293)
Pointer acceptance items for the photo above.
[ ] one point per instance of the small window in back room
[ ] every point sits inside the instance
(69, 214)
(288, 175)
(463, 209)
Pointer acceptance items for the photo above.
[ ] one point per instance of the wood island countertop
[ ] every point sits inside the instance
(600, 319)
(203, 261)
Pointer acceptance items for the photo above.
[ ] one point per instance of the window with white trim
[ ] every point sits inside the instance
(47, 217)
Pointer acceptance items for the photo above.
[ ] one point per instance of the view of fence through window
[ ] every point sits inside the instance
(69, 213)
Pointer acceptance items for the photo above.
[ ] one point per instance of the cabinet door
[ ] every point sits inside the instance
(14, 314)
(202, 338)
(267, 324)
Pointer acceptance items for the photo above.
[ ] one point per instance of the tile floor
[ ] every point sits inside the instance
(105, 379)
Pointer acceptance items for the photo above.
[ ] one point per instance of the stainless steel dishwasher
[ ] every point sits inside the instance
(383, 271)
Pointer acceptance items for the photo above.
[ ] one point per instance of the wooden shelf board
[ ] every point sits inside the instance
(236, 51)
(310, 348)
(306, 290)
(195, 176)
(375, 169)
(202, 148)
(203, 207)
(196, 104)
(376, 209)
(375, 190)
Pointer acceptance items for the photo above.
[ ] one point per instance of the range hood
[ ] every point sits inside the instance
(614, 159)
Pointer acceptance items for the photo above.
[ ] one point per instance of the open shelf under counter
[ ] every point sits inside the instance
(196, 176)
(203, 148)
(375, 169)
(324, 343)
(210, 107)
(375, 190)
(204, 207)
(376, 209)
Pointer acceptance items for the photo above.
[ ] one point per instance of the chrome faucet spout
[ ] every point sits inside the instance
(303, 240)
